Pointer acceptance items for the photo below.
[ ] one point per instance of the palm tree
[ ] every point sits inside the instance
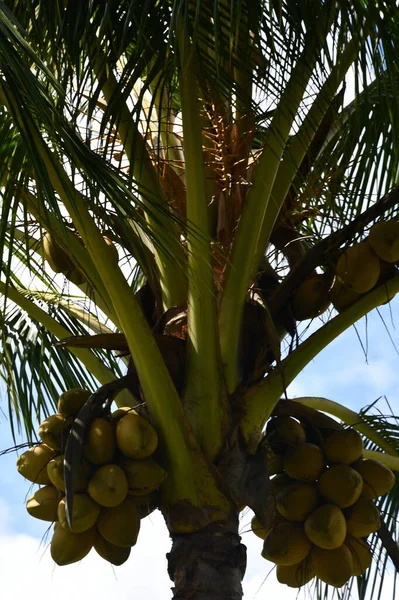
(217, 147)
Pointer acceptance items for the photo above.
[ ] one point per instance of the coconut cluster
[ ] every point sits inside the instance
(359, 269)
(324, 496)
(114, 483)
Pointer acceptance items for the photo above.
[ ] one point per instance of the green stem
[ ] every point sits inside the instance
(300, 144)
(172, 275)
(349, 417)
(203, 392)
(246, 246)
(88, 359)
(261, 399)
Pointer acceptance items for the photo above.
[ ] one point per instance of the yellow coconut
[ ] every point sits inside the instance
(286, 544)
(135, 437)
(143, 476)
(55, 255)
(116, 555)
(311, 297)
(44, 503)
(340, 485)
(362, 518)
(304, 462)
(297, 575)
(343, 446)
(55, 470)
(377, 478)
(361, 554)
(334, 567)
(122, 412)
(326, 527)
(75, 276)
(85, 513)
(32, 464)
(108, 486)
(71, 401)
(120, 525)
(54, 430)
(359, 268)
(100, 445)
(384, 240)
(67, 547)
(342, 296)
(297, 501)
(284, 431)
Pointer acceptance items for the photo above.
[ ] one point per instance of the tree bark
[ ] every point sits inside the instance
(209, 564)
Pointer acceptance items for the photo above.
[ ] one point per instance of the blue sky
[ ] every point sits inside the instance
(341, 373)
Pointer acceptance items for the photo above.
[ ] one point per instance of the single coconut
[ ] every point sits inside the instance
(304, 462)
(32, 464)
(342, 296)
(55, 471)
(343, 446)
(378, 479)
(340, 485)
(120, 525)
(143, 476)
(135, 437)
(67, 547)
(100, 445)
(362, 518)
(44, 503)
(326, 527)
(85, 513)
(334, 567)
(116, 555)
(55, 255)
(311, 297)
(108, 486)
(71, 401)
(284, 431)
(297, 501)
(54, 430)
(286, 544)
(359, 268)
(297, 575)
(361, 554)
(384, 240)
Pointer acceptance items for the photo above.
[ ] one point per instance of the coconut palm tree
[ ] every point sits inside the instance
(180, 182)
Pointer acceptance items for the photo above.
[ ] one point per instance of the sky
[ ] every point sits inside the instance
(341, 372)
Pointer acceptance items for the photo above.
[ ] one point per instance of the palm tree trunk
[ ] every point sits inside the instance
(209, 564)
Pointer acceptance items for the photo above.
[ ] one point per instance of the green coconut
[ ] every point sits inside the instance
(108, 486)
(100, 445)
(326, 527)
(359, 268)
(44, 503)
(85, 513)
(32, 464)
(53, 431)
(378, 479)
(384, 240)
(343, 446)
(143, 476)
(71, 401)
(340, 485)
(67, 547)
(120, 525)
(286, 544)
(304, 462)
(116, 555)
(297, 575)
(361, 554)
(334, 567)
(297, 501)
(136, 437)
(55, 471)
(362, 518)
